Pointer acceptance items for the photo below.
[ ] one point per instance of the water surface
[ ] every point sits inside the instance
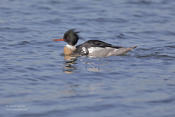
(36, 79)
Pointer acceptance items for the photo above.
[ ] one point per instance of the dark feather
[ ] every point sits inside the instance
(97, 43)
(93, 43)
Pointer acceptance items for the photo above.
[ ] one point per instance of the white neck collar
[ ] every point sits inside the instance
(71, 47)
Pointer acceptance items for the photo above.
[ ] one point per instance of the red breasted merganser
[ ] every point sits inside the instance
(92, 48)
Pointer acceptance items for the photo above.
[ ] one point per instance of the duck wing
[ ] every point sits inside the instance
(83, 48)
(97, 43)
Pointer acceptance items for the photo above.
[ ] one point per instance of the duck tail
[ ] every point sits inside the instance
(131, 48)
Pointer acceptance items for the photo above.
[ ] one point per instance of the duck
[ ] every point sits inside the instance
(91, 48)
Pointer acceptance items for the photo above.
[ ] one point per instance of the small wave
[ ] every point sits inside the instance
(53, 2)
(16, 30)
(53, 21)
(118, 20)
(23, 43)
(169, 100)
(143, 2)
(171, 33)
(152, 55)
(121, 36)
(154, 52)
(41, 7)
(171, 46)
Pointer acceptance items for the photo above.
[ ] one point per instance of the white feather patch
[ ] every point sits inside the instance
(71, 47)
(101, 52)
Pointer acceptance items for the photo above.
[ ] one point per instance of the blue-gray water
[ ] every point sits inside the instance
(36, 80)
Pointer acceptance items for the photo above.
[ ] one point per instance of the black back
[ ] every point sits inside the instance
(97, 43)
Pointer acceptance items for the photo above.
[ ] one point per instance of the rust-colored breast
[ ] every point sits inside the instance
(67, 51)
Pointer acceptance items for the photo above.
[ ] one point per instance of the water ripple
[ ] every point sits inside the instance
(14, 30)
(34, 72)
(164, 101)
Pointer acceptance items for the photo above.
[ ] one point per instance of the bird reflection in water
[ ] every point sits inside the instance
(93, 67)
(89, 65)
(70, 61)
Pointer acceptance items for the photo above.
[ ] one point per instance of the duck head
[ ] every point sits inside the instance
(71, 37)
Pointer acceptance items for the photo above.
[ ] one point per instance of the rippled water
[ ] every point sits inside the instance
(37, 81)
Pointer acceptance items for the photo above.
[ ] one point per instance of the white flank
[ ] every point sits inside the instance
(101, 52)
